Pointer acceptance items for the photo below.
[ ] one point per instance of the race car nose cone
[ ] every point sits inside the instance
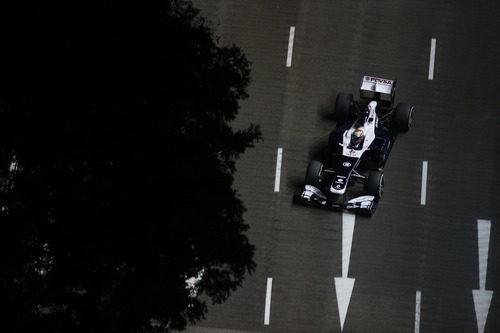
(338, 186)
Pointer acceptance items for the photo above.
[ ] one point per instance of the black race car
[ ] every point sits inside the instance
(357, 149)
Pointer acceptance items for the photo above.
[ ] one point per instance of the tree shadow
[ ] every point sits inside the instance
(126, 161)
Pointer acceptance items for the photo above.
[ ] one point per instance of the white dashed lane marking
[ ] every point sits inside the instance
(432, 58)
(418, 300)
(267, 310)
(290, 47)
(277, 177)
(423, 191)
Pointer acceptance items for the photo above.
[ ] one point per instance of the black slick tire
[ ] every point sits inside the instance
(375, 184)
(403, 117)
(313, 173)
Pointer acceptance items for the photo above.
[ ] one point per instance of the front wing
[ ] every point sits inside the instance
(312, 196)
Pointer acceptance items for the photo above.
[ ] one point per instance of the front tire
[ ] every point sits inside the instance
(403, 117)
(375, 184)
(313, 173)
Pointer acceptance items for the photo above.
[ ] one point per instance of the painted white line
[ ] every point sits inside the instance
(345, 285)
(432, 58)
(482, 297)
(418, 299)
(423, 191)
(290, 47)
(267, 311)
(343, 290)
(347, 233)
(279, 156)
(483, 243)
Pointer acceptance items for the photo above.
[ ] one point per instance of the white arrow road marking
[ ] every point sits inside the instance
(481, 296)
(483, 243)
(343, 288)
(347, 233)
(344, 285)
(482, 301)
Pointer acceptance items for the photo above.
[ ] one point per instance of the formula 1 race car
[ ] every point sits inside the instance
(357, 149)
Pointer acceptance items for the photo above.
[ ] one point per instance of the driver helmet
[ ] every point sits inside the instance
(357, 136)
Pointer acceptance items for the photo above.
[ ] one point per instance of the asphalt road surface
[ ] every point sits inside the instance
(429, 259)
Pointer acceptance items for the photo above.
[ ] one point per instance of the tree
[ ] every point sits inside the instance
(117, 157)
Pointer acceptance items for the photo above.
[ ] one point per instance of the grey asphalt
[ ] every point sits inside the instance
(405, 246)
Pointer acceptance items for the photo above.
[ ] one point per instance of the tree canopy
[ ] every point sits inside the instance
(117, 158)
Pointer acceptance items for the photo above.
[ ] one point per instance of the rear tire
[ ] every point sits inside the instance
(343, 105)
(313, 173)
(403, 117)
(375, 184)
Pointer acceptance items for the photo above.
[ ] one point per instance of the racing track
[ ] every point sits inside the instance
(416, 262)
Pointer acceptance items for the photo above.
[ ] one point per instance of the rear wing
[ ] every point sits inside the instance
(376, 84)
(372, 87)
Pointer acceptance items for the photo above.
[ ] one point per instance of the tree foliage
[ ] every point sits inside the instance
(118, 117)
